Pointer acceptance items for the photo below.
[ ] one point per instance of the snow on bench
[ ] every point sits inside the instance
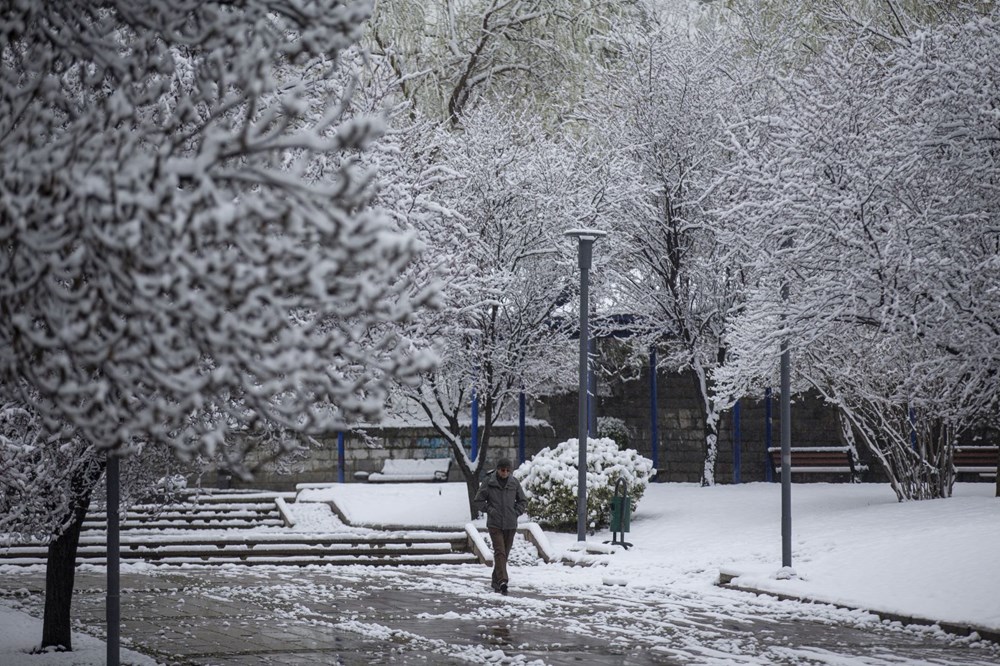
(404, 470)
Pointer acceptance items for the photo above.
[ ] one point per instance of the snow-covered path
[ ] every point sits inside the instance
(410, 615)
(854, 545)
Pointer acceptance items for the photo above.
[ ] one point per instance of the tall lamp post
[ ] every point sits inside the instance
(585, 238)
(786, 433)
(786, 448)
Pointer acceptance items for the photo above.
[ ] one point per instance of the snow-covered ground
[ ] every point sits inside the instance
(852, 545)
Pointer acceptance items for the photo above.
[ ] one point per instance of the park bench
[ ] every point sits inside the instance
(817, 460)
(981, 460)
(411, 470)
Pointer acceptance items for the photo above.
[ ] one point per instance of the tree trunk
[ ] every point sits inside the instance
(847, 439)
(470, 472)
(60, 567)
(710, 422)
(915, 473)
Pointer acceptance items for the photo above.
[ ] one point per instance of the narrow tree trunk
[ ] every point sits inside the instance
(472, 487)
(847, 439)
(469, 472)
(710, 422)
(60, 569)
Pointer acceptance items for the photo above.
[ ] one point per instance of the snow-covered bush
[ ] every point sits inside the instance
(614, 428)
(551, 477)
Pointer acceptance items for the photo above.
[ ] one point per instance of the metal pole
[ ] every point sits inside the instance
(585, 238)
(586, 245)
(520, 426)
(768, 422)
(113, 605)
(786, 449)
(737, 445)
(653, 424)
(475, 425)
(340, 457)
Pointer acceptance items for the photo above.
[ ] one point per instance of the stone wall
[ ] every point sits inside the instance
(367, 453)
(681, 431)
(681, 435)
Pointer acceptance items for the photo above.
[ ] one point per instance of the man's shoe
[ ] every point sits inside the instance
(503, 589)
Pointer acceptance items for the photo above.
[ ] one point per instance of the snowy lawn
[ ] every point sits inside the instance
(852, 544)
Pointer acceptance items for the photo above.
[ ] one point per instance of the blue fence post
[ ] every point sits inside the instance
(737, 445)
(340, 457)
(474, 427)
(520, 427)
(768, 472)
(653, 416)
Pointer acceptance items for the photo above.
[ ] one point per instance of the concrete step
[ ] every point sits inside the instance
(275, 548)
(181, 511)
(218, 512)
(177, 533)
(278, 560)
(197, 524)
(211, 551)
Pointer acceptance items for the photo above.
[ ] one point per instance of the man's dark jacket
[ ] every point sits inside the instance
(502, 504)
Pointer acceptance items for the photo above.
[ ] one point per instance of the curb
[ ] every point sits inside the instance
(956, 629)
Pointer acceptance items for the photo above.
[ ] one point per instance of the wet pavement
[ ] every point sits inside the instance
(230, 616)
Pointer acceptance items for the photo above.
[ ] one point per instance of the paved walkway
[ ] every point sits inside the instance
(445, 615)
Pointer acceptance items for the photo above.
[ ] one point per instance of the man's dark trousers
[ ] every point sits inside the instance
(503, 541)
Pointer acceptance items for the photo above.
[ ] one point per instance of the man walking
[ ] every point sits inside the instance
(503, 500)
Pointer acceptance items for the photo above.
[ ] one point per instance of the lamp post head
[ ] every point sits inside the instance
(586, 234)
(586, 238)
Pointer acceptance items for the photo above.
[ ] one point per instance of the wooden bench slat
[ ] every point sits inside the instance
(816, 460)
(981, 460)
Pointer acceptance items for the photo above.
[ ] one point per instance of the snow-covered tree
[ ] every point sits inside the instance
(507, 190)
(447, 55)
(188, 250)
(663, 102)
(876, 209)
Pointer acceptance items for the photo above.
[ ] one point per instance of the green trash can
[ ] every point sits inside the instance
(621, 513)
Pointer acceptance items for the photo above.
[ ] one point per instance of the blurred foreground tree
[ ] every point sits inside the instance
(187, 250)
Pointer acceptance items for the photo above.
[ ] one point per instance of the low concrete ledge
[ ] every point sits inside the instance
(532, 532)
(729, 579)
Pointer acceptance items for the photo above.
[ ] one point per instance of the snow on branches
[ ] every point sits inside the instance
(187, 242)
(871, 194)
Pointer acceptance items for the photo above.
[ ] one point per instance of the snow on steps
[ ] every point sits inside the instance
(203, 510)
(275, 548)
(177, 534)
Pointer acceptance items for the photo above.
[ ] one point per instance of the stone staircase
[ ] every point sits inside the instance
(246, 529)
(201, 510)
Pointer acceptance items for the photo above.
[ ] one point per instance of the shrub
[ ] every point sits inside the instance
(614, 428)
(550, 481)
